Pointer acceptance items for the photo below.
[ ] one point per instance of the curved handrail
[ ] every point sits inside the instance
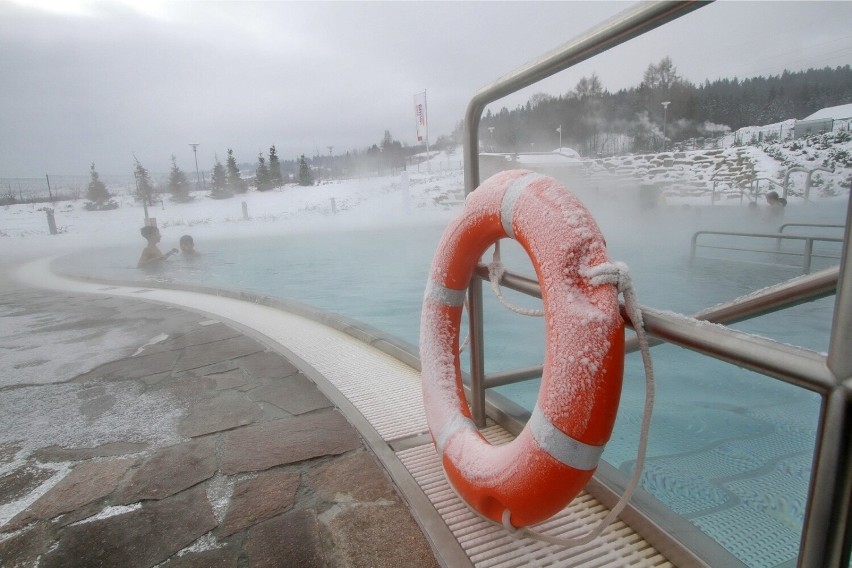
(756, 182)
(826, 534)
(808, 181)
(627, 25)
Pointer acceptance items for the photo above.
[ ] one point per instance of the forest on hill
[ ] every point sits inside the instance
(590, 117)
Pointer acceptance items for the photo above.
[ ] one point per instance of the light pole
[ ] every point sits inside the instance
(330, 159)
(559, 130)
(491, 131)
(144, 197)
(195, 146)
(665, 111)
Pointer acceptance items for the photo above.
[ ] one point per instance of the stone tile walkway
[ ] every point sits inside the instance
(137, 435)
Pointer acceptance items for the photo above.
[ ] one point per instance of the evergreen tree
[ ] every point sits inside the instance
(261, 180)
(305, 176)
(392, 154)
(219, 181)
(235, 183)
(97, 192)
(178, 184)
(144, 187)
(275, 179)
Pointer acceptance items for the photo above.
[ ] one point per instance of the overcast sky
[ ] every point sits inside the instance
(84, 82)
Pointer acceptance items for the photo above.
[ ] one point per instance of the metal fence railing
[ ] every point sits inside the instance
(826, 534)
(807, 253)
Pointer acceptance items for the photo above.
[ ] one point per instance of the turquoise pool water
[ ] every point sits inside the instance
(730, 450)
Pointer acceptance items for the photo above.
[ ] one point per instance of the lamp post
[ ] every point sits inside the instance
(665, 111)
(195, 146)
(559, 130)
(491, 131)
(144, 197)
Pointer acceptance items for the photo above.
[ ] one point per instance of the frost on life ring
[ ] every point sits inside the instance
(545, 467)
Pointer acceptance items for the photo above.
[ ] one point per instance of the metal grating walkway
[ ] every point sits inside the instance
(387, 393)
(488, 545)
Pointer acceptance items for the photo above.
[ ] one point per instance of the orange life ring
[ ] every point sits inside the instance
(547, 465)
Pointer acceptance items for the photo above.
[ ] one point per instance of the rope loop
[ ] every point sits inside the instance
(495, 273)
(618, 274)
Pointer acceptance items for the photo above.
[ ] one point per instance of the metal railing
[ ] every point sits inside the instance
(826, 533)
(808, 180)
(810, 225)
(755, 190)
(807, 253)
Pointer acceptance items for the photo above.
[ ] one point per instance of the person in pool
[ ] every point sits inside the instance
(187, 247)
(151, 255)
(775, 203)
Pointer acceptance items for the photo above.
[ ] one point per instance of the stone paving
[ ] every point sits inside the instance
(137, 435)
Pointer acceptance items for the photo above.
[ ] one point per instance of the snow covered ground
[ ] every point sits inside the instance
(431, 195)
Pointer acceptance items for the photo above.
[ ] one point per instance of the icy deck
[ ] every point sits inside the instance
(248, 388)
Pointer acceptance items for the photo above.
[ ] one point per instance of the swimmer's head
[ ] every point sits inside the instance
(148, 231)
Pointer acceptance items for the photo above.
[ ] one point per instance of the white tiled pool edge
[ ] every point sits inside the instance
(381, 397)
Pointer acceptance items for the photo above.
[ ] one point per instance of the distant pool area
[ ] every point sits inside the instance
(728, 447)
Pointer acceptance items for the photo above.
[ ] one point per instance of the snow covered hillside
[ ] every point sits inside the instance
(819, 166)
(433, 193)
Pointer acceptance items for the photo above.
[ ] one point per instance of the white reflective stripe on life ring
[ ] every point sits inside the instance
(458, 422)
(444, 295)
(561, 446)
(507, 206)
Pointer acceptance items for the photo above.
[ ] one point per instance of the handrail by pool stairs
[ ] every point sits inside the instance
(807, 253)
(827, 532)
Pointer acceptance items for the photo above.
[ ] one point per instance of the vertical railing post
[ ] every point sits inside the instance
(477, 352)
(825, 530)
(809, 249)
(826, 534)
(474, 291)
(839, 353)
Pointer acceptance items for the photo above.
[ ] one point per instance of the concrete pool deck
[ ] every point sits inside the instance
(140, 434)
(140, 405)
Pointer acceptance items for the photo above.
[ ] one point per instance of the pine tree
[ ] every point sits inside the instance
(219, 181)
(144, 187)
(97, 192)
(261, 180)
(235, 183)
(305, 177)
(275, 179)
(178, 184)
(392, 155)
